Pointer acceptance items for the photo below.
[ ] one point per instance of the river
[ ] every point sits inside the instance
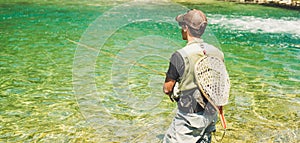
(92, 71)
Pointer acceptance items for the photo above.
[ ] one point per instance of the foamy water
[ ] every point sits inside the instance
(256, 24)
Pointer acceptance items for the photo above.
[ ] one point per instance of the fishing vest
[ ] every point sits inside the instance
(189, 93)
(191, 54)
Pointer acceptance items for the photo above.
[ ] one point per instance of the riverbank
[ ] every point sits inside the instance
(293, 6)
(221, 7)
(286, 4)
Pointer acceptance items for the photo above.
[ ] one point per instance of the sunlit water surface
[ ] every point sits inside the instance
(46, 94)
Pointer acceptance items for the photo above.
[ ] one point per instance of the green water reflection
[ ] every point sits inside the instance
(37, 100)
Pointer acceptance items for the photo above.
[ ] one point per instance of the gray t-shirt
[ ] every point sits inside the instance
(176, 67)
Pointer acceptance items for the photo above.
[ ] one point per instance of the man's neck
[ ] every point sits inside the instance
(191, 39)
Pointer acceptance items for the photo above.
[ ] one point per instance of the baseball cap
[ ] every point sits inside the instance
(196, 19)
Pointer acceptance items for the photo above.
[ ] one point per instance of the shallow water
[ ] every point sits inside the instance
(107, 87)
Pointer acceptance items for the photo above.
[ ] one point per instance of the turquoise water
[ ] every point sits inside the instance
(110, 90)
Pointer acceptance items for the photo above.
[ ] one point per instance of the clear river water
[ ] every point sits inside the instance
(92, 71)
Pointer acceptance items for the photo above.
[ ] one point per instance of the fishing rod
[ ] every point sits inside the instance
(113, 56)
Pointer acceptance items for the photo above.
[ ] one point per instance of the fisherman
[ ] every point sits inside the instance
(193, 123)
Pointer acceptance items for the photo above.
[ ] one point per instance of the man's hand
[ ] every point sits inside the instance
(168, 87)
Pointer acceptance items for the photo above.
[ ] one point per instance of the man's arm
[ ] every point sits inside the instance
(168, 87)
(176, 66)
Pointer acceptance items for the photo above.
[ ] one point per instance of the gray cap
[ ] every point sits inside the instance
(196, 19)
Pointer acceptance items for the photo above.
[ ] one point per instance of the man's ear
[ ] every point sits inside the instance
(185, 28)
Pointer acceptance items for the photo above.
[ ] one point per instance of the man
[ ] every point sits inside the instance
(193, 122)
